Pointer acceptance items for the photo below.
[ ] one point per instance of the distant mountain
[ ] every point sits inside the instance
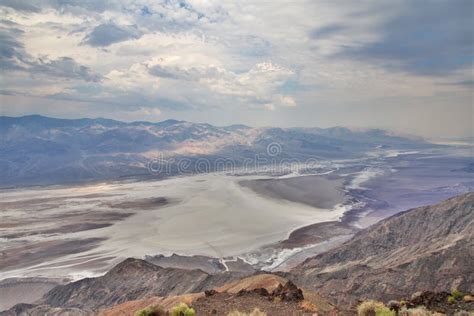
(427, 248)
(41, 150)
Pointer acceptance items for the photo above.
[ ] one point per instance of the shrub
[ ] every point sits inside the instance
(182, 310)
(151, 311)
(255, 312)
(457, 295)
(384, 311)
(373, 308)
(451, 299)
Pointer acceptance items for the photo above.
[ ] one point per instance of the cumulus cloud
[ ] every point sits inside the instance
(135, 78)
(257, 84)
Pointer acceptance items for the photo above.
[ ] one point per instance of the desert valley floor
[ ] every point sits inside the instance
(79, 231)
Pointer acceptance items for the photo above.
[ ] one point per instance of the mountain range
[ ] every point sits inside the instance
(41, 150)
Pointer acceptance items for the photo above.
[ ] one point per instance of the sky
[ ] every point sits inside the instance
(399, 65)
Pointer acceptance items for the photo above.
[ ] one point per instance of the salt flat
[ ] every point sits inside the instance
(83, 230)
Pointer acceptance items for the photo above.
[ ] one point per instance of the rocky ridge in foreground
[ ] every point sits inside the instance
(426, 248)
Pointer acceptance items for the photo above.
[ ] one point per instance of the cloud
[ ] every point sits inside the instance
(432, 39)
(110, 33)
(175, 72)
(269, 106)
(287, 101)
(19, 5)
(178, 15)
(135, 78)
(468, 83)
(89, 5)
(261, 81)
(64, 67)
(251, 45)
(11, 50)
(13, 57)
(280, 101)
(257, 85)
(327, 31)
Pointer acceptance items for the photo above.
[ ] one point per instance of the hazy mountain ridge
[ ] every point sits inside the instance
(41, 150)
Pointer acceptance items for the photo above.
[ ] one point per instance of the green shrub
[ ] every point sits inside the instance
(182, 310)
(457, 295)
(371, 308)
(451, 299)
(151, 311)
(384, 311)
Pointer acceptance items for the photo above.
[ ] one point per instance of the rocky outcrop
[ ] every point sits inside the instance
(427, 248)
(288, 292)
(442, 302)
(284, 293)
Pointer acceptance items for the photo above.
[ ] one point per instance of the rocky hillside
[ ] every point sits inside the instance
(268, 292)
(133, 279)
(427, 248)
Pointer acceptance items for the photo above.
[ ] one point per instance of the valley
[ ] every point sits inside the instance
(263, 220)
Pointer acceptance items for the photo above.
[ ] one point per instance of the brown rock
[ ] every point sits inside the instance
(289, 292)
(210, 292)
